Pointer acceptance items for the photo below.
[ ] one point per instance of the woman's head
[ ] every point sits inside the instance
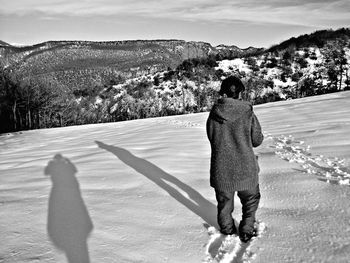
(231, 87)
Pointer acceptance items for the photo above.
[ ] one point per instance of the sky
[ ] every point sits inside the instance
(244, 23)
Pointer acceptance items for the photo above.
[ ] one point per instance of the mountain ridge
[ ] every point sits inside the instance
(318, 38)
(3, 43)
(63, 83)
(87, 62)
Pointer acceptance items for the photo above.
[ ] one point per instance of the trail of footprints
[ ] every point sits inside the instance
(329, 169)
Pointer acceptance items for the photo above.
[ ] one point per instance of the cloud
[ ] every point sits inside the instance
(317, 13)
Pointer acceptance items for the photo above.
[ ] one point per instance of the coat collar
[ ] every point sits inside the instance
(228, 101)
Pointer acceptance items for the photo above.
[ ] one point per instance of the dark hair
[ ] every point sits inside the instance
(231, 86)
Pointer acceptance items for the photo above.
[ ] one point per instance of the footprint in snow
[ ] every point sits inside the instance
(229, 248)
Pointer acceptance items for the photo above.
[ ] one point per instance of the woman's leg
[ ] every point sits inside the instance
(225, 208)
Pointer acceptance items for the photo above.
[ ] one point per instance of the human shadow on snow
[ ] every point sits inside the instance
(68, 224)
(196, 202)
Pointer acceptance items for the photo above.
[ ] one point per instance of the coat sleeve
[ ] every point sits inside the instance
(209, 129)
(257, 136)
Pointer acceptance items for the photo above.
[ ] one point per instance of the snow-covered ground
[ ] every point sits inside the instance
(138, 191)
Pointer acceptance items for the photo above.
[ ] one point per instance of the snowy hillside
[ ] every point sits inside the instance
(138, 191)
(75, 83)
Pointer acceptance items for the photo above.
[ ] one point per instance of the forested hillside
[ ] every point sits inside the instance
(68, 83)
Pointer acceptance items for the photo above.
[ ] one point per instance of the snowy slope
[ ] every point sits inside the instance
(138, 191)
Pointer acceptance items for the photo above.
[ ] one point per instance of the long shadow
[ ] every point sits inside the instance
(68, 224)
(196, 202)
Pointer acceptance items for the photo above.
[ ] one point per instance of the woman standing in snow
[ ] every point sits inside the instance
(233, 130)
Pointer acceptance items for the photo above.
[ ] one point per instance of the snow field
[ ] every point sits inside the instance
(145, 187)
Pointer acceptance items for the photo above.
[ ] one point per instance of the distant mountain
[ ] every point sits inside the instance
(62, 83)
(316, 39)
(81, 63)
(2, 43)
(225, 51)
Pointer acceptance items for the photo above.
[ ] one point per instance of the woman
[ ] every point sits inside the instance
(233, 130)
